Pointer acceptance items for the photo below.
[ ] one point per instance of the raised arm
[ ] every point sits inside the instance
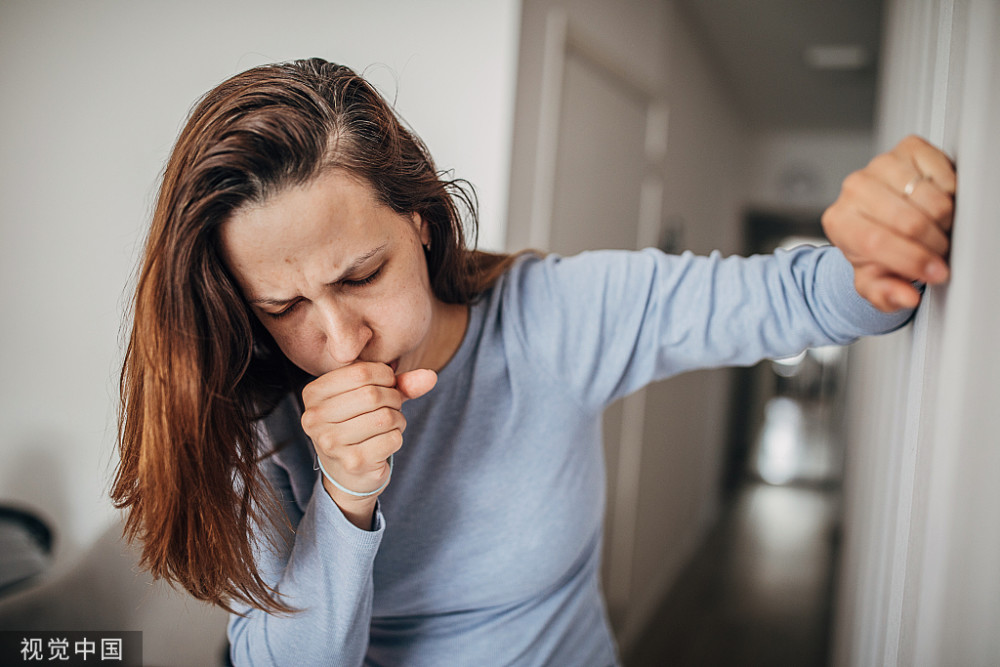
(606, 323)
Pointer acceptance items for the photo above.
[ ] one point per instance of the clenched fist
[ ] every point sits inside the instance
(893, 222)
(352, 415)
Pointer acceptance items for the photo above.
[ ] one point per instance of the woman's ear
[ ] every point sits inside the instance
(423, 229)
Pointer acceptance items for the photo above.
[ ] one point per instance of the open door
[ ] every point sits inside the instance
(602, 138)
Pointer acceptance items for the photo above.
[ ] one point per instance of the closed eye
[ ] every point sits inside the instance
(367, 280)
(286, 311)
(361, 282)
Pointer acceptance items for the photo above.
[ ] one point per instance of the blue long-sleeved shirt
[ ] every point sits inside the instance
(486, 543)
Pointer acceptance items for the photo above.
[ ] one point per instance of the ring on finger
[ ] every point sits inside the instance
(912, 185)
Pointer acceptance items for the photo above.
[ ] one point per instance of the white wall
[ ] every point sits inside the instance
(94, 94)
(920, 583)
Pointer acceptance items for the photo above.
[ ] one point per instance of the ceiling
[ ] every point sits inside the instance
(759, 47)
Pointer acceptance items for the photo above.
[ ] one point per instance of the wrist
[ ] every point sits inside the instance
(359, 511)
(358, 507)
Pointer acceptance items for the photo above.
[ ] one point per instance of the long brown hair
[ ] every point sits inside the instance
(199, 369)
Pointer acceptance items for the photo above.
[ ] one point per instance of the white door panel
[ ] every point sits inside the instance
(602, 137)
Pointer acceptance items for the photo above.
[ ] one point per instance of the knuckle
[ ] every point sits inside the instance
(326, 443)
(352, 462)
(308, 420)
(384, 374)
(834, 224)
(882, 161)
(383, 417)
(370, 394)
(828, 219)
(329, 439)
(853, 183)
(361, 373)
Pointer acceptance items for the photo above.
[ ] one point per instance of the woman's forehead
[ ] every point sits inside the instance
(322, 227)
(331, 206)
(330, 188)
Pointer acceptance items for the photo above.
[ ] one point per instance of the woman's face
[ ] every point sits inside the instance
(337, 277)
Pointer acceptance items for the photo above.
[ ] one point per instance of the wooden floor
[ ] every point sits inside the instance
(759, 592)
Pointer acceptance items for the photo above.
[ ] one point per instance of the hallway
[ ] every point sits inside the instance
(759, 591)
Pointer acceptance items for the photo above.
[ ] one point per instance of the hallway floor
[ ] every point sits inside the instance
(759, 592)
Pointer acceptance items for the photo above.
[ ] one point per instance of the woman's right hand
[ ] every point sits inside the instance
(352, 415)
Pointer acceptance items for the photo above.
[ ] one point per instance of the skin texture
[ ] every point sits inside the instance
(893, 238)
(340, 281)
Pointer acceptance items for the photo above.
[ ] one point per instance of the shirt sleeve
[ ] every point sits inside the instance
(607, 323)
(322, 566)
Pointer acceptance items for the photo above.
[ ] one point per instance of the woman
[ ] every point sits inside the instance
(375, 445)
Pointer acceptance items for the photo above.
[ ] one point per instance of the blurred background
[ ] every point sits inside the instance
(837, 507)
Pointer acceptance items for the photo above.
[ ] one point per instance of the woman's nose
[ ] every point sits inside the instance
(346, 333)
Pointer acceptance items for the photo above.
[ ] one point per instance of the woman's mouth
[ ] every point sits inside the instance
(394, 365)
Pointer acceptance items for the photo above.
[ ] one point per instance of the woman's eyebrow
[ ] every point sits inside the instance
(351, 268)
(357, 263)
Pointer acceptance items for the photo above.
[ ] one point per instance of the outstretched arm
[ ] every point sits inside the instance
(893, 221)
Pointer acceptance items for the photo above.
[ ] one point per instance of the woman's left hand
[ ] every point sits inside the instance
(893, 221)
